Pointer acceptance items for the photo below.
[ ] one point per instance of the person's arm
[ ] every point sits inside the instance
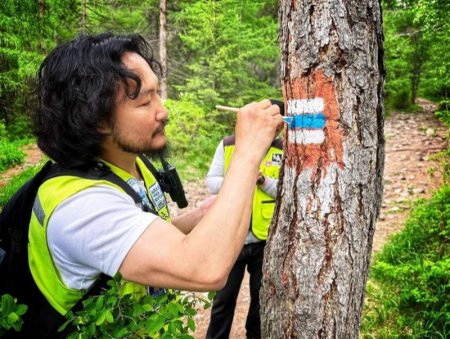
(201, 260)
(187, 221)
(214, 178)
(269, 186)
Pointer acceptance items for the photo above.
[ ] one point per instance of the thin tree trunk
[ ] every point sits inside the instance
(163, 47)
(83, 16)
(417, 62)
(41, 15)
(329, 196)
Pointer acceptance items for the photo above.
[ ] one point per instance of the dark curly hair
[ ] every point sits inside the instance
(76, 94)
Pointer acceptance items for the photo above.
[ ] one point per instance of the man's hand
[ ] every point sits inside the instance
(256, 128)
(260, 179)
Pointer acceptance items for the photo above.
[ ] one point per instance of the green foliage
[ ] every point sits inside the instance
(413, 273)
(417, 34)
(11, 314)
(194, 133)
(443, 112)
(112, 314)
(13, 185)
(10, 154)
(397, 87)
(19, 128)
(3, 132)
(124, 17)
(443, 159)
(433, 16)
(30, 29)
(229, 50)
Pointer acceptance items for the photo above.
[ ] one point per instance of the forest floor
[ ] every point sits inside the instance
(410, 173)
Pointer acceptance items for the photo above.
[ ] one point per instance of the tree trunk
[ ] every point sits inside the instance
(330, 191)
(163, 48)
(417, 62)
(41, 16)
(83, 16)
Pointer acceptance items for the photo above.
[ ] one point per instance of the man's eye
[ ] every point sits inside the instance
(147, 103)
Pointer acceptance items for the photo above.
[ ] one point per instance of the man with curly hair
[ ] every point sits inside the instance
(99, 107)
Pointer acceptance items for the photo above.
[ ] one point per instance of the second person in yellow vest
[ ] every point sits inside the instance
(252, 254)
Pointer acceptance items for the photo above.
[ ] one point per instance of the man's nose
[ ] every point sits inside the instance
(161, 112)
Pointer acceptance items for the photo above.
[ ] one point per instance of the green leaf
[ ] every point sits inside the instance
(21, 309)
(173, 310)
(138, 309)
(191, 324)
(99, 302)
(122, 332)
(154, 324)
(101, 319)
(109, 316)
(12, 317)
(185, 336)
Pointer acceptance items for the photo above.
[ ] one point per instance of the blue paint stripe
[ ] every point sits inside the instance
(311, 121)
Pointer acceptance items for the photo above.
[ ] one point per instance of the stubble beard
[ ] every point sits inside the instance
(153, 153)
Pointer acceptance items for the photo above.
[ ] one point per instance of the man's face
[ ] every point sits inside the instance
(139, 123)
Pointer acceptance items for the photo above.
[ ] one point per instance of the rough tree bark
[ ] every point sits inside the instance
(318, 251)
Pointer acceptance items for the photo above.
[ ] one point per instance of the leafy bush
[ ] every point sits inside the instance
(3, 132)
(114, 315)
(11, 314)
(19, 128)
(10, 154)
(443, 112)
(413, 275)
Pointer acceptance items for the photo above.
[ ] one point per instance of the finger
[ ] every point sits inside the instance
(278, 120)
(274, 109)
(264, 104)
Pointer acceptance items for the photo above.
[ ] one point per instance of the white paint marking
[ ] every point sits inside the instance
(302, 106)
(306, 136)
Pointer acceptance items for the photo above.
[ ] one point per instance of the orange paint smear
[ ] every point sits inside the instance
(313, 156)
(284, 279)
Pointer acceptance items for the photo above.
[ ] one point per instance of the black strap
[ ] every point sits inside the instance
(150, 167)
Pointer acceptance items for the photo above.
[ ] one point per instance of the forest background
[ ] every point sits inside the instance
(226, 52)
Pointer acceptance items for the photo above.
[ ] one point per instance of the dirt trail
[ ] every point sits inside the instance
(409, 174)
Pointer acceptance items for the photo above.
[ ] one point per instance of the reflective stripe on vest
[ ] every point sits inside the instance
(263, 204)
(52, 193)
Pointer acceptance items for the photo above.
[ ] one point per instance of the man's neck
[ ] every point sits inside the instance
(123, 160)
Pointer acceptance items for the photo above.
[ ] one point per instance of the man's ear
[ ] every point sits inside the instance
(104, 128)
